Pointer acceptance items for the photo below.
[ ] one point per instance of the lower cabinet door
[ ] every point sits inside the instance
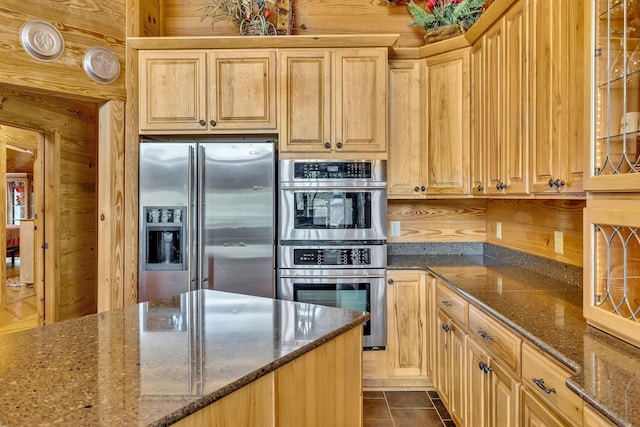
(537, 414)
(504, 392)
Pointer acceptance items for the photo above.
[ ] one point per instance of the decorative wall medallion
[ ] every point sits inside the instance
(101, 64)
(42, 40)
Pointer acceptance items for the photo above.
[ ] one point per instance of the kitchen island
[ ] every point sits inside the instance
(202, 356)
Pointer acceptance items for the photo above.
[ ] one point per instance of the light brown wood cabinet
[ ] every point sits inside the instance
(447, 113)
(317, 389)
(493, 392)
(545, 379)
(499, 106)
(406, 171)
(207, 91)
(559, 117)
(333, 101)
(487, 376)
(406, 358)
(612, 265)
(407, 324)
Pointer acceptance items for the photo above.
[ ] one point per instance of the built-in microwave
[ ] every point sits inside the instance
(332, 200)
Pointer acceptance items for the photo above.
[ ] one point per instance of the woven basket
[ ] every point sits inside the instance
(257, 28)
(442, 33)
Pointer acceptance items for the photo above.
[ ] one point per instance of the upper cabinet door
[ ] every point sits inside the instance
(242, 90)
(448, 111)
(172, 90)
(615, 153)
(304, 84)
(559, 120)
(405, 177)
(360, 100)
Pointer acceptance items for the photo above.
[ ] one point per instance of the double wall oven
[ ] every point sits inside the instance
(332, 237)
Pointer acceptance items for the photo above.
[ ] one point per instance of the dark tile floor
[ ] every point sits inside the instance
(404, 409)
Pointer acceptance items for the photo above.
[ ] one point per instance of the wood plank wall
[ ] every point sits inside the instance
(459, 220)
(310, 17)
(72, 198)
(82, 24)
(529, 226)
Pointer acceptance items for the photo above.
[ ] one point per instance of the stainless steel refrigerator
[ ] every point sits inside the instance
(206, 216)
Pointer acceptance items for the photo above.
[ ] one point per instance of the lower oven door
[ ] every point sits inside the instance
(349, 291)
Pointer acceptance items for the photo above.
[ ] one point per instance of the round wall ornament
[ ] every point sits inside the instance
(41, 40)
(101, 64)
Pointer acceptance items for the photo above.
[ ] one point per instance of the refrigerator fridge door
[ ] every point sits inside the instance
(236, 229)
(166, 195)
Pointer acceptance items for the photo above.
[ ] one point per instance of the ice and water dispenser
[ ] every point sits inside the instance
(165, 237)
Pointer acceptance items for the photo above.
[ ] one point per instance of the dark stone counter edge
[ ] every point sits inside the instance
(207, 400)
(576, 368)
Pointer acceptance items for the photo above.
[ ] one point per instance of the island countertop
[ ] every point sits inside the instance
(156, 362)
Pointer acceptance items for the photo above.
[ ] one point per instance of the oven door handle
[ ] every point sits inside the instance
(377, 186)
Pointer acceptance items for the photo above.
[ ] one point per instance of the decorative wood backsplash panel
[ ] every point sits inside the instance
(310, 17)
(460, 220)
(530, 226)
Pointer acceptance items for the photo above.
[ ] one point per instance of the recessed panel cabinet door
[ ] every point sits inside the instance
(172, 90)
(448, 111)
(304, 85)
(242, 93)
(405, 177)
(360, 99)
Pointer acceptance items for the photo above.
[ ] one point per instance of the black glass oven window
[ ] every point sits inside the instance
(322, 210)
(352, 296)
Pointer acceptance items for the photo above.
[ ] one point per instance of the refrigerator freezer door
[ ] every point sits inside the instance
(165, 183)
(237, 235)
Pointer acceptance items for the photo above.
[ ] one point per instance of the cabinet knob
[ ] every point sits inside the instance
(327, 145)
(423, 188)
(558, 183)
(501, 186)
(445, 327)
(416, 189)
(480, 188)
(390, 281)
(339, 144)
(213, 122)
(202, 122)
(550, 183)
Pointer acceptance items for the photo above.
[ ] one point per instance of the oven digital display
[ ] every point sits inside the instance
(331, 256)
(332, 170)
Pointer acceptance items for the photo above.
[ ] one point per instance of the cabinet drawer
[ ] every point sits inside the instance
(497, 339)
(452, 303)
(546, 379)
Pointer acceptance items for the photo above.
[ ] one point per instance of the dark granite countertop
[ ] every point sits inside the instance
(547, 312)
(155, 363)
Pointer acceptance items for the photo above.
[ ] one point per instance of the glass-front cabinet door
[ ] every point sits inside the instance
(615, 154)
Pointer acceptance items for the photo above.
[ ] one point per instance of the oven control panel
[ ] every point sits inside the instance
(332, 256)
(332, 170)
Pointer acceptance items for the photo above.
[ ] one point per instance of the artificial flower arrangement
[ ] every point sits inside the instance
(251, 16)
(455, 16)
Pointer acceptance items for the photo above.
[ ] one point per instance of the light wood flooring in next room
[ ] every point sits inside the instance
(20, 312)
(404, 409)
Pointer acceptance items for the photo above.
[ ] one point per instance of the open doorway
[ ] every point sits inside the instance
(22, 299)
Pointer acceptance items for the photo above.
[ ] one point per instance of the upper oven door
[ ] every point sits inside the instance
(332, 214)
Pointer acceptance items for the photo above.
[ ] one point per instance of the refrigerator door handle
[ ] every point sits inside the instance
(190, 206)
(201, 204)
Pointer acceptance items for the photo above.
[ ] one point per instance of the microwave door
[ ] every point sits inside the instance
(237, 248)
